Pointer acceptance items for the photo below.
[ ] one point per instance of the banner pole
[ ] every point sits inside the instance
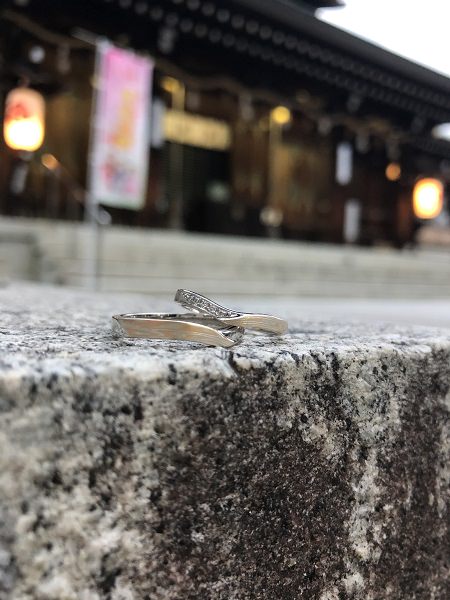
(92, 259)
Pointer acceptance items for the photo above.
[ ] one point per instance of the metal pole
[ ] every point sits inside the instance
(92, 260)
(91, 216)
(176, 165)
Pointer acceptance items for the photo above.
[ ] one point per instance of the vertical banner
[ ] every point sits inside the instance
(120, 128)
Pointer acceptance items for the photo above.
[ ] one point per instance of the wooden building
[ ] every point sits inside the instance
(271, 102)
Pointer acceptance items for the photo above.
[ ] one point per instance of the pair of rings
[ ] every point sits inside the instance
(208, 323)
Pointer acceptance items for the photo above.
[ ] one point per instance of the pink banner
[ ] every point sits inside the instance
(120, 140)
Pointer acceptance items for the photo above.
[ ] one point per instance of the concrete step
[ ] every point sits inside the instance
(156, 261)
(19, 255)
(255, 271)
(215, 287)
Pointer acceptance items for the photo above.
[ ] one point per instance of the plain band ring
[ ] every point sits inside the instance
(190, 327)
(202, 305)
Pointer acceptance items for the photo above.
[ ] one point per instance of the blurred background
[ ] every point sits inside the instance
(295, 149)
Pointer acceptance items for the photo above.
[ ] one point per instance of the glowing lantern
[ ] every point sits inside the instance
(281, 115)
(428, 198)
(50, 162)
(171, 85)
(23, 125)
(393, 171)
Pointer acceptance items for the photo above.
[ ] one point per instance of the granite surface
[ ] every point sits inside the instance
(310, 466)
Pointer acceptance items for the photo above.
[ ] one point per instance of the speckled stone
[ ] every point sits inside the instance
(310, 466)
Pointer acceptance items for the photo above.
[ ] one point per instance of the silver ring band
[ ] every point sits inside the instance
(191, 327)
(202, 305)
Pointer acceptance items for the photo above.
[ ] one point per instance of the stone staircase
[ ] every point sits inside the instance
(19, 254)
(156, 261)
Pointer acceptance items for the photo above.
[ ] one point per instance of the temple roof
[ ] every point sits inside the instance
(273, 45)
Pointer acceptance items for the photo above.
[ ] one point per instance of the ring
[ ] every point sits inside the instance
(194, 327)
(202, 305)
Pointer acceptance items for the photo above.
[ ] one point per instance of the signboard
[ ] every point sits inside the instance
(195, 130)
(120, 128)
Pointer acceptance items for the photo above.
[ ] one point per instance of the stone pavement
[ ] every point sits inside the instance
(310, 466)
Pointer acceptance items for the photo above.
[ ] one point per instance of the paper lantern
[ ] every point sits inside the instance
(393, 171)
(24, 125)
(428, 198)
(281, 115)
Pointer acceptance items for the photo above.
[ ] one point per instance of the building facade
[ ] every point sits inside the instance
(270, 122)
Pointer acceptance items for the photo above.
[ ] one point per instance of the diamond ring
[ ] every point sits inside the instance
(202, 305)
(193, 327)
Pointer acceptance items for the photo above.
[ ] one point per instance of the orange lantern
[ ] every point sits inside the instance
(393, 171)
(428, 198)
(24, 125)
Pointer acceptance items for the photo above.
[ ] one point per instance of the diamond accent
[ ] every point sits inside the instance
(199, 303)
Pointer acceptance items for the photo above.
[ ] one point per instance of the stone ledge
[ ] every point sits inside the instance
(310, 466)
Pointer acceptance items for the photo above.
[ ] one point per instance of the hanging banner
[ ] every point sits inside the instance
(120, 128)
